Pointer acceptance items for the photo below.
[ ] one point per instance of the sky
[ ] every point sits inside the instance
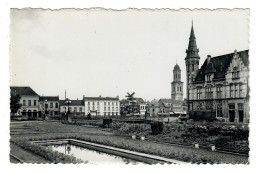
(95, 52)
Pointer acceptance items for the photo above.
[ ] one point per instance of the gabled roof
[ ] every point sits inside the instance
(73, 103)
(101, 98)
(22, 91)
(219, 65)
(49, 98)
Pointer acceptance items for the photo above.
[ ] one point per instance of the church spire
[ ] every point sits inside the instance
(192, 51)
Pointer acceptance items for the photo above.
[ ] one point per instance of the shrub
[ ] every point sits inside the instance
(107, 122)
(157, 127)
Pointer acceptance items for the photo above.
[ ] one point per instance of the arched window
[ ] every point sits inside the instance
(56, 105)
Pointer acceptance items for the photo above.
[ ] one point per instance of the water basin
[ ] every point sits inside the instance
(91, 156)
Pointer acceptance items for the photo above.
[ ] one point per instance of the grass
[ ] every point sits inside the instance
(56, 130)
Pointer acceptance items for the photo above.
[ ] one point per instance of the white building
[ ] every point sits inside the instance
(76, 107)
(29, 101)
(102, 106)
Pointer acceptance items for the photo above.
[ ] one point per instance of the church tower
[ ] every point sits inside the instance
(192, 62)
(177, 84)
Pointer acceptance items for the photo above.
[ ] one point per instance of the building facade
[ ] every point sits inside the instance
(177, 84)
(29, 101)
(220, 87)
(49, 105)
(102, 106)
(75, 107)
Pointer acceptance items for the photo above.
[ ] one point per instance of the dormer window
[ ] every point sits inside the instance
(208, 78)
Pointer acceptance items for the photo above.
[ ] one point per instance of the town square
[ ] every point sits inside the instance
(129, 87)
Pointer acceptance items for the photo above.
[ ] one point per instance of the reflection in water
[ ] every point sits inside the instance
(92, 156)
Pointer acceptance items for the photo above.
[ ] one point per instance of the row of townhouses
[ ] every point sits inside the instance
(33, 105)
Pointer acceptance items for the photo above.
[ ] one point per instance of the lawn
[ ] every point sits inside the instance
(55, 130)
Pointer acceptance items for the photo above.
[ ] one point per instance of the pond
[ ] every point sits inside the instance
(91, 156)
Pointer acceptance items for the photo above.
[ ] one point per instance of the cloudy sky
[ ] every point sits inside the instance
(109, 53)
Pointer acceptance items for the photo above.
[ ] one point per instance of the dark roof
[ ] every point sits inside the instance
(49, 98)
(101, 98)
(177, 68)
(219, 65)
(22, 90)
(73, 103)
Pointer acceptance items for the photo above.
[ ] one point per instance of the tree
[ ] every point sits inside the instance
(132, 107)
(15, 103)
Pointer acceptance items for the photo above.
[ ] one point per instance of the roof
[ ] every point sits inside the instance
(177, 68)
(169, 102)
(101, 98)
(22, 90)
(192, 51)
(139, 100)
(73, 103)
(49, 98)
(219, 65)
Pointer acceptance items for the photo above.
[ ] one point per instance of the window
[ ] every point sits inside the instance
(209, 93)
(240, 90)
(56, 105)
(231, 91)
(219, 91)
(105, 113)
(112, 108)
(108, 108)
(112, 103)
(235, 73)
(105, 108)
(80, 109)
(209, 105)
(24, 102)
(108, 103)
(51, 105)
(75, 109)
(105, 103)
(219, 110)
(199, 106)
(116, 103)
(236, 90)
(192, 67)
(208, 78)
(29, 103)
(34, 102)
(180, 88)
(198, 93)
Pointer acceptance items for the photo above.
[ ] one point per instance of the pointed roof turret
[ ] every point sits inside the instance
(192, 51)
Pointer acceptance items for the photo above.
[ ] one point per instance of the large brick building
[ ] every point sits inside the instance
(220, 86)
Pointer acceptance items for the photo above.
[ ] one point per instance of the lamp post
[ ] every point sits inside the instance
(67, 101)
(45, 108)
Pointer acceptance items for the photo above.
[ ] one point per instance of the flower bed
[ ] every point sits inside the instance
(226, 137)
(46, 153)
(183, 154)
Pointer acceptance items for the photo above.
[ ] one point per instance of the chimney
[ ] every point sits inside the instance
(208, 59)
